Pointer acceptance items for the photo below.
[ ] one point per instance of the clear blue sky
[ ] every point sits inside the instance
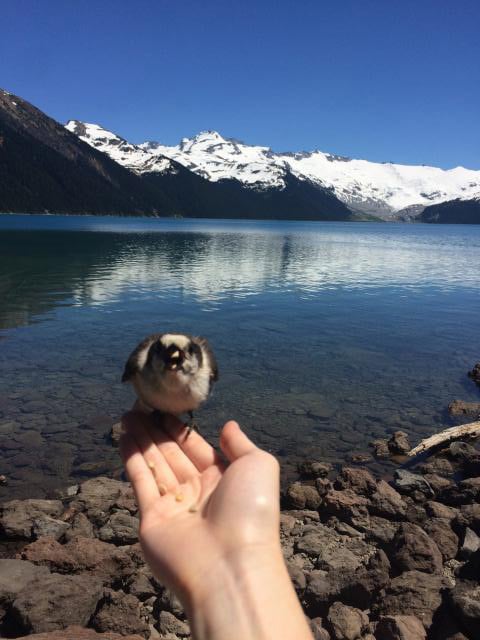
(382, 80)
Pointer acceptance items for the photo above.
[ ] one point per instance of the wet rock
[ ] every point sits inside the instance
(414, 550)
(400, 628)
(412, 593)
(345, 504)
(399, 443)
(121, 528)
(359, 458)
(300, 496)
(461, 408)
(55, 601)
(347, 623)
(115, 433)
(19, 517)
(380, 449)
(407, 482)
(358, 480)
(120, 613)
(168, 623)
(445, 538)
(465, 598)
(312, 470)
(475, 373)
(386, 502)
(471, 543)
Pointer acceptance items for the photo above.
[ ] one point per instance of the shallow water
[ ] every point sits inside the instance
(327, 334)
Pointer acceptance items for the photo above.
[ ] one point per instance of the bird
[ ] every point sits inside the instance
(172, 373)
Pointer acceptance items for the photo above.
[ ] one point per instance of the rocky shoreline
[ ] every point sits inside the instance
(370, 559)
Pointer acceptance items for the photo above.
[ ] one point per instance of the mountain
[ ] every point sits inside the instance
(453, 212)
(45, 168)
(387, 190)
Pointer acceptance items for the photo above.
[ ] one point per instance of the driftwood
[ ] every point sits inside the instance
(470, 430)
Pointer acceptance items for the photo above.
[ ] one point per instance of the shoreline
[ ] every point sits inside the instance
(364, 554)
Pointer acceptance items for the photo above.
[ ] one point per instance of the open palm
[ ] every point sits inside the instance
(194, 511)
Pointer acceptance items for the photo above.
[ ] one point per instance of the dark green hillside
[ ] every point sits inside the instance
(452, 212)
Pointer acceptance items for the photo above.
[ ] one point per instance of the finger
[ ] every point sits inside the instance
(139, 474)
(234, 443)
(181, 466)
(192, 444)
(136, 425)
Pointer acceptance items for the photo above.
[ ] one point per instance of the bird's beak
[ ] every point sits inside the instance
(174, 359)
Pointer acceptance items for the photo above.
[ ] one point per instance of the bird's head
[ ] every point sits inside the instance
(176, 354)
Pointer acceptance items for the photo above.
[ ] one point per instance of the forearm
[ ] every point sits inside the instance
(247, 597)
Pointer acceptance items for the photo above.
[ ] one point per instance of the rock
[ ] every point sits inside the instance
(380, 449)
(445, 538)
(399, 443)
(471, 543)
(407, 482)
(437, 483)
(304, 515)
(141, 587)
(100, 493)
(465, 598)
(466, 492)
(376, 529)
(400, 628)
(347, 623)
(414, 550)
(287, 523)
(51, 527)
(121, 528)
(48, 552)
(78, 633)
(439, 510)
(318, 630)
(475, 373)
(312, 470)
(323, 486)
(115, 433)
(168, 601)
(80, 526)
(358, 480)
(469, 516)
(300, 496)
(15, 575)
(461, 450)
(412, 593)
(461, 408)
(120, 613)
(359, 458)
(54, 602)
(345, 504)
(168, 623)
(440, 466)
(387, 503)
(20, 516)
(297, 576)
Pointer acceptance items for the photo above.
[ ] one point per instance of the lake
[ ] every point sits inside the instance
(328, 335)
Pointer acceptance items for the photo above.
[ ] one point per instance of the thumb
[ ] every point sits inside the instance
(233, 442)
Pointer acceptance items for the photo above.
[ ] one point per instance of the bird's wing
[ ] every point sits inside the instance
(137, 358)
(203, 342)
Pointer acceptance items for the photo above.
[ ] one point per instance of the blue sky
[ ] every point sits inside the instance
(382, 80)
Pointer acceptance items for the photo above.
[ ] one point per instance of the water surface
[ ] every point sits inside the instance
(328, 335)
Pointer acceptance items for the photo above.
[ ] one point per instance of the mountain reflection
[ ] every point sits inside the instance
(40, 270)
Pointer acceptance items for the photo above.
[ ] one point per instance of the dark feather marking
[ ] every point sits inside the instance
(131, 366)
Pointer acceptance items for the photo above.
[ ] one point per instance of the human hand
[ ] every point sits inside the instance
(210, 532)
(208, 512)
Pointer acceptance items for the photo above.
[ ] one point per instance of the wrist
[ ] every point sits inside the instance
(246, 596)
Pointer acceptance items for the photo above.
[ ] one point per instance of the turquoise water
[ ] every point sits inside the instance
(327, 334)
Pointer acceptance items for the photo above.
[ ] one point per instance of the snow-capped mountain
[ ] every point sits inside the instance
(382, 189)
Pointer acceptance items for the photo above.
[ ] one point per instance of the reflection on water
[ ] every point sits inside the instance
(327, 334)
